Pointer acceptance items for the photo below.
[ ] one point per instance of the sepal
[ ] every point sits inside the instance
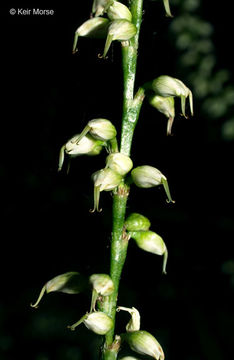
(70, 283)
(92, 28)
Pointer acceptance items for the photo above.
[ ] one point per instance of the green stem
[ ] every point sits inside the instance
(131, 110)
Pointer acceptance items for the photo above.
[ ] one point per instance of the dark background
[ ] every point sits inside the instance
(48, 95)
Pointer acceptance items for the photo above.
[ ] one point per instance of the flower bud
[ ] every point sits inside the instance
(167, 86)
(121, 30)
(100, 129)
(118, 10)
(104, 180)
(100, 6)
(102, 285)
(86, 146)
(134, 323)
(165, 105)
(148, 176)
(167, 8)
(119, 162)
(144, 343)
(151, 242)
(98, 322)
(137, 222)
(129, 358)
(92, 28)
(69, 283)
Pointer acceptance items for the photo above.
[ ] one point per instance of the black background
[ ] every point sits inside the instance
(48, 95)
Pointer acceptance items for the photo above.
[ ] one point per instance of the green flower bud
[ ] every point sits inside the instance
(69, 283)
(134, 323)
(100, 6)
(148, 176)
(98, 322)
(86, 146)
(102, 285)
(144, 343)
(137, 222)
(129, 358)
(165, 105)
(167, 8)
(92, 28)
(151, 242)
(121, 30)
(167, 86)
(100, 129)
(118, 10)
(119, 162)
(104, 180)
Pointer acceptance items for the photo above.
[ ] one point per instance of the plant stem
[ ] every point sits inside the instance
(131, 110)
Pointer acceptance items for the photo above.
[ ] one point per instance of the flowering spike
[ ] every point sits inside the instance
(144, 343)
(134, 323)
(167, 8)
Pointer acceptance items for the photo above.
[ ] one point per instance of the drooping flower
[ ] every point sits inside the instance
(104, 180)
(93, 28)
(144, 343)
(151, 242)
(148, 176)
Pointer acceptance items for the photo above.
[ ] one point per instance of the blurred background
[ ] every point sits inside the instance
(48, 95)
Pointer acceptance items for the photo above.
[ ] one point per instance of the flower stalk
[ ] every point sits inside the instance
(131, 109)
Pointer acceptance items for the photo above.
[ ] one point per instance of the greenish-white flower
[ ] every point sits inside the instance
(92, 28)
(69, 283)
(100, 6)
(144, 343)
(117, 10)
(98, 322)
(100, 129)
(134, 323)
(122, 30)
(103, 285)
(151, 242)
(168, 86)
(119, 162)
(146, 176)
(166, 105)
(104, 180)
(137, 222)
(86, 146)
